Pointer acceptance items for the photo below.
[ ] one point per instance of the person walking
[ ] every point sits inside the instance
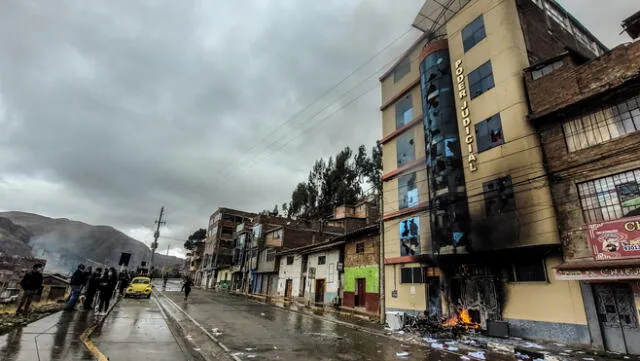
(31, 284)
(123, 279)
(77, 282)
(186, 287)
(165, 278)
(108, 284)
(92, 289)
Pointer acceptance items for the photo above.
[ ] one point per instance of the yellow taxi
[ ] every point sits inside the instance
(139, 287)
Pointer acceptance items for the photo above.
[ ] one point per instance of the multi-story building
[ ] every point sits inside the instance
(218, 252)
(588, 117)
(469, 221)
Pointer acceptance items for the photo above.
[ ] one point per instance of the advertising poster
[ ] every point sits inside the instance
(615, 239)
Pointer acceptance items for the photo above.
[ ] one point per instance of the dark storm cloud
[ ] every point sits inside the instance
(111, 109)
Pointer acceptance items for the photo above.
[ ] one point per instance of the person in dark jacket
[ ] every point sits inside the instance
(92, 289)
(123, 280)
(186, 287)
(78, 280)
(31, 284)
(108, 284)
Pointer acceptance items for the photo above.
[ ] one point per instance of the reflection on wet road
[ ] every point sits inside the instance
(56, 337)
(250, 328)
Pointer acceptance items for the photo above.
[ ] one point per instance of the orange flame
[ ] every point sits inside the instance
(461, 318)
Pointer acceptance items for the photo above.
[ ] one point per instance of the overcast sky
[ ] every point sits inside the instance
(111, 109)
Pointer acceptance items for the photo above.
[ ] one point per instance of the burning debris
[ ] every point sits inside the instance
(441, 328)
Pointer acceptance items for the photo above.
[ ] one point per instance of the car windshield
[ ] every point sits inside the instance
(140, 281)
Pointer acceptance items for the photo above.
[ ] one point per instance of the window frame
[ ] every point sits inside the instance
(404, 137)
(473, 34)
(290, 260)
(403, 67)
(405, 189)
(546, 70)
(495, 194)
(487, 125)
(513, 272)
(600, 199)
(481, 79)
(401, 111)
(322, 260)
(412, 271)
(360, 248)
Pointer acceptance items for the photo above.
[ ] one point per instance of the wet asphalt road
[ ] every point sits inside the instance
(250, 328)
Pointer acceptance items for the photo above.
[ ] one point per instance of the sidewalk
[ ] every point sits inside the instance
(137, 330)
(55, 337)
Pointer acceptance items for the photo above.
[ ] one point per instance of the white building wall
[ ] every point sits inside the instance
(328, 271)
(293, 272)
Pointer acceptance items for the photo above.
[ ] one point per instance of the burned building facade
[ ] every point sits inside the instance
(472, 177)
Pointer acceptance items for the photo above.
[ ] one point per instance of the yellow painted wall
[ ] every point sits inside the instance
(520, 156)
(555, 301)
(390, 88)
(411, 296)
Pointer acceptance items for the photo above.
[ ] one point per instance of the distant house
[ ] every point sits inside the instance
(361, 283)
(55, 287)
(324, 272)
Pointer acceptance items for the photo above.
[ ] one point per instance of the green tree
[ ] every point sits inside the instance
(197, 236)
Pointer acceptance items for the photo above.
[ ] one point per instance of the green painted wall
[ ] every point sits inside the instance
(369, 273)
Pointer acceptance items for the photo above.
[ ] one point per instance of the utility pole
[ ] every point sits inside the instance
(156, 235)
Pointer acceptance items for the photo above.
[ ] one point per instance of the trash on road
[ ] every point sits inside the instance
(478, 355)
(237, 354)
(197, 349)
(522, 356)
(251, 355)
(249, 349)
(463, 357)
(533, 345)
(587, 358)
(402, 354)
(437, 345)
(429, 340)
(452, 348)
(263, 314)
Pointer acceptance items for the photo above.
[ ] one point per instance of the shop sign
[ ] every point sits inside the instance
(615, 239)
(622, 273)
(464, 113)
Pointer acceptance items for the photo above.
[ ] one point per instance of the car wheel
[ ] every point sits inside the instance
(148, 296)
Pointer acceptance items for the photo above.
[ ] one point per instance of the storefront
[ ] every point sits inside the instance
(610, 284)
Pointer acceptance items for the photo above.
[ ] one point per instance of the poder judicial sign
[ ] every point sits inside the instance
(615, 239)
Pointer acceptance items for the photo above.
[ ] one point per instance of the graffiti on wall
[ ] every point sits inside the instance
(410, 236)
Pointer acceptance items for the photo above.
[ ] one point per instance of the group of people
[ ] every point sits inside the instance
(98, 282)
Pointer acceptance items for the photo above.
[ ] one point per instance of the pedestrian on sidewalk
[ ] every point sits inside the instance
(108, 284)
(78, 280)
(186, 287)
(92, 289)
(31, 285)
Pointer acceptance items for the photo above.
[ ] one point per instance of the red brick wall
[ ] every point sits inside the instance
(573, 83)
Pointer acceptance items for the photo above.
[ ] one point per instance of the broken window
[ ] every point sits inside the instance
(489, 133)
(360, 247)
(404, 111)
(546, 70)
(481, 79)
(407, 191)
(473, 33)
(498, 196)
(322, 260)
(289, 260)
(405, 148)
(611, 197)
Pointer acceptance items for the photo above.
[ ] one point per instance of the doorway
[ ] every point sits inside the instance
(617, 317)
(319, 299)
(360, 294)
(288, 288)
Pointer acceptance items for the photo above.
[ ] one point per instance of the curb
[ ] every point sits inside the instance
(85, 337)
(196, 323)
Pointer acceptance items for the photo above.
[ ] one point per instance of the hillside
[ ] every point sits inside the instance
(65, 242)
(14, 238)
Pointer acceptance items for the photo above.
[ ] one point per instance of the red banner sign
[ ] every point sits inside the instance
(615, 239)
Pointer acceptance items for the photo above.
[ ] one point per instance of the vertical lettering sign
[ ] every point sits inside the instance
(464, 112)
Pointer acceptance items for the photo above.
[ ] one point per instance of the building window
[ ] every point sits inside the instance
(556, 15)
(404, 111)
(602, 124)
(403, 68)
(481, 79)
(489, 133)
(407, 191)
(277, 234)
(411, 275)
(611, 197)
(322, 260)
(227, 231)
(473, 33)
(405, 148)
(527, 270)
(498, 196)
(546, 70)
(289, 260)
(360, 247)
(271, 256)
